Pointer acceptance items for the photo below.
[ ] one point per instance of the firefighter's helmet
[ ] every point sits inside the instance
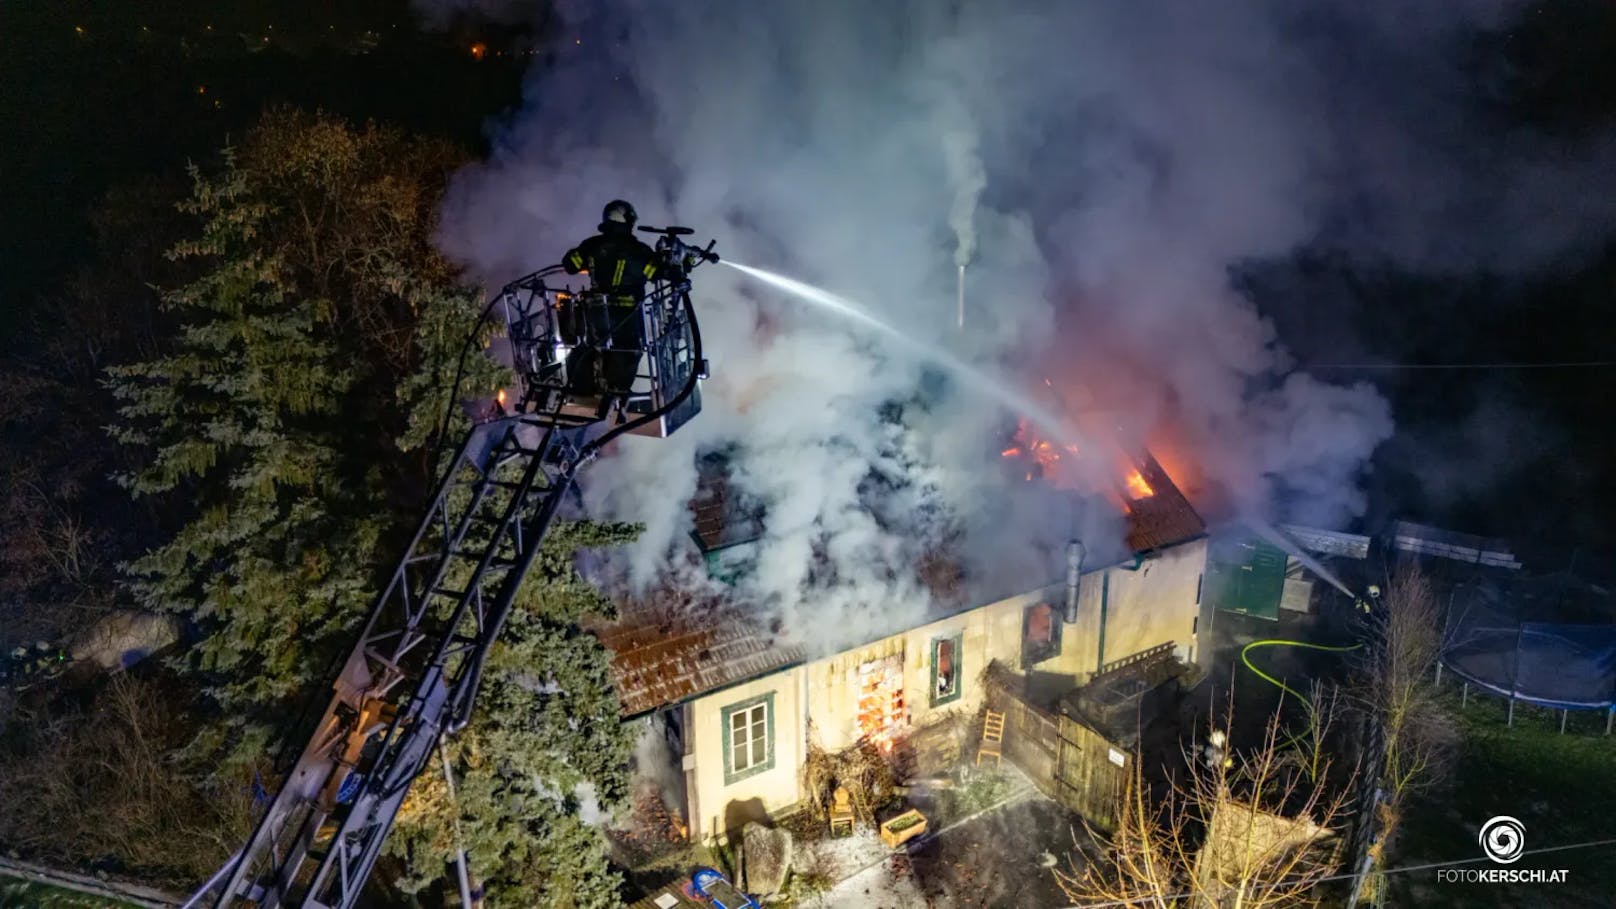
(618, 212)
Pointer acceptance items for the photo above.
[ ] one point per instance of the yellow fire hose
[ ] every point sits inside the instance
(1245, 657)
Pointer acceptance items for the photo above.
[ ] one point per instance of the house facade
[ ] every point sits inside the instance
(740, 714)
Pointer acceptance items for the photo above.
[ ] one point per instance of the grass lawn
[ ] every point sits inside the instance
(1562, 788)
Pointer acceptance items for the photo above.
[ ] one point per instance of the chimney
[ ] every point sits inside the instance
(1075, 552)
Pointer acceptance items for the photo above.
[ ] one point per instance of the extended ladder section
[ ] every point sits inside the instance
(414, 672)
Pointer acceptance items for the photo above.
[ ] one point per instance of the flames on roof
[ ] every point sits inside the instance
(670, 646)
(1158, 514)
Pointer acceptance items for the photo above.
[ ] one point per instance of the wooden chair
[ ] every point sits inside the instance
(992, 737)
(841, 813)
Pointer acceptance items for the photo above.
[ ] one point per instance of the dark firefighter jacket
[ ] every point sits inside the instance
(618, 265)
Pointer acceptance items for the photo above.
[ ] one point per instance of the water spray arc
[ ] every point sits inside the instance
(995, 387)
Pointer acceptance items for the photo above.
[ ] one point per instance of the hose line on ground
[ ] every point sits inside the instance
(1245, 657)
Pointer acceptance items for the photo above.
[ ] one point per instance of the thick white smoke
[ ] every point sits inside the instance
(1103, 165)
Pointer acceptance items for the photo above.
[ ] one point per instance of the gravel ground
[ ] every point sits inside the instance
(992, 860)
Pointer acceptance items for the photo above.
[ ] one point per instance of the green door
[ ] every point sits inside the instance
(1246, 576)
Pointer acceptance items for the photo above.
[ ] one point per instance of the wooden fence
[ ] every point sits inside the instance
(1070, 762)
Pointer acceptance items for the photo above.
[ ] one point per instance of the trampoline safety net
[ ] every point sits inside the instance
(1497, 638)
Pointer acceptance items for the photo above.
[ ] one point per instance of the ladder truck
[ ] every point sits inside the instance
(412, 674)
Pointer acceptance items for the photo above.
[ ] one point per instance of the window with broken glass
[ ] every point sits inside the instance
(1040, 634)
(945, 670)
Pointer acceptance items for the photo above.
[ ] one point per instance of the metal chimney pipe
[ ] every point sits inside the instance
(1075, 551)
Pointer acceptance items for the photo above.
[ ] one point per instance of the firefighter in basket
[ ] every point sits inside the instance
(619, 265)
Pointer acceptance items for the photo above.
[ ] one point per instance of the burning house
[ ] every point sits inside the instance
(740, 711)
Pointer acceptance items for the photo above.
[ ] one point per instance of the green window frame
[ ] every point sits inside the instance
(745, 723)
(946, 688)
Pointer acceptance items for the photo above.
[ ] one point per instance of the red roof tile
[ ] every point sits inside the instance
(1164, 518)
(670, 647)
(721, 515)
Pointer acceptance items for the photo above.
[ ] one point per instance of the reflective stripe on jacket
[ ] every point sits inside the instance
(618, 264)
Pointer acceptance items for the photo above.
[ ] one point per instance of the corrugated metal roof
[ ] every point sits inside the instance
(1328, 542)
(1462, 547)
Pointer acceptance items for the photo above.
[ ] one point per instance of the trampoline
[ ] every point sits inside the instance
(1501, 637)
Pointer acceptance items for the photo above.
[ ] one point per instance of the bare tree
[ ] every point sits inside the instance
(1236, 830)
(1419, 736)
(111, 781)
(1323, 708)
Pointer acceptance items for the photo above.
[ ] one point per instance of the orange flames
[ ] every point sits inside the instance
(1137, 487)
(1044, 454)
(1110, 450)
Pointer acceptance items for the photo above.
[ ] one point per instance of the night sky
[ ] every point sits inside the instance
(98, 97)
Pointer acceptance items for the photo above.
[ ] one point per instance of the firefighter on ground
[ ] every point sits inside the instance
(619, 266)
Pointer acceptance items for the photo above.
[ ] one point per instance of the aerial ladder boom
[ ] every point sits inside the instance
(412, 675)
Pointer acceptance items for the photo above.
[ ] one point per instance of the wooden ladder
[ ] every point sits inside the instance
(992, 737)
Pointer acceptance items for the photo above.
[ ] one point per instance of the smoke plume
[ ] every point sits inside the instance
(1104, 166)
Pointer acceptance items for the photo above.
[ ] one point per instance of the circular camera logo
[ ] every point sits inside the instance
(1503, 839)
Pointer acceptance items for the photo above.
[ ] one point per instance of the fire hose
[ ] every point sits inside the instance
(1245, 657)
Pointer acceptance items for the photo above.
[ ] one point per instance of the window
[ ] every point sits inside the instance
(1040, 634)
(748, 737)
(945, 670)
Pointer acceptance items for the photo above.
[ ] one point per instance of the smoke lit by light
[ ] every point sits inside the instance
(1100, 206)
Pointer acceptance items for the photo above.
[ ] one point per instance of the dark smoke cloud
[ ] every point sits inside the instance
(1101, 167)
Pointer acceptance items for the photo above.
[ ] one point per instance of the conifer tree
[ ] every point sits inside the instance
(285, 430)
(241, 419)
